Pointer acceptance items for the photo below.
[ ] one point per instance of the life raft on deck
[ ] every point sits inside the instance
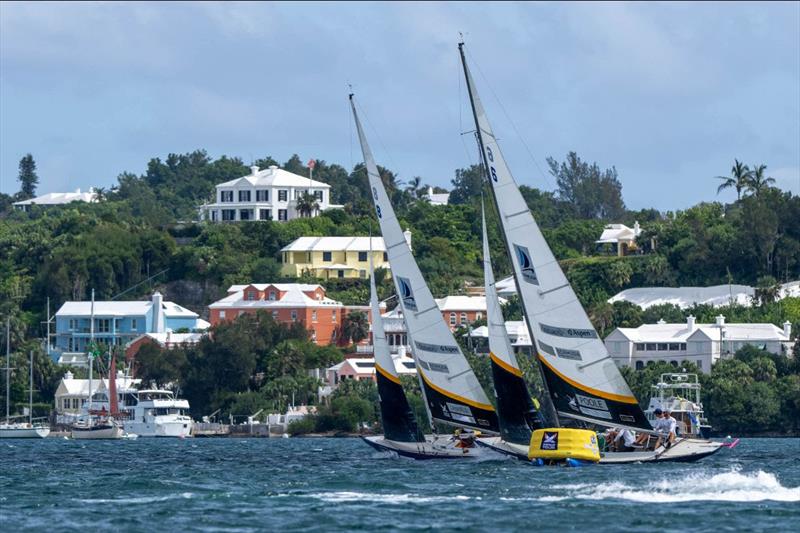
(563, 445)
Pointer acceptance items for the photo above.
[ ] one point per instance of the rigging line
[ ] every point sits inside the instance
(134, 286)
(513, 124)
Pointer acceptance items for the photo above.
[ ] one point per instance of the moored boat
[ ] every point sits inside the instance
(20, 430)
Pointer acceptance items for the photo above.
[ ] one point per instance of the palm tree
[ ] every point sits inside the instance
(355, 327)
(307, 204)
(740, 174)
(757, 182)
(414, 185)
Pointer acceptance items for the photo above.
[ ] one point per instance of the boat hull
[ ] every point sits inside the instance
(23, 432)
(172, 429)
(434, 447)
(105, 431)
(684, 450)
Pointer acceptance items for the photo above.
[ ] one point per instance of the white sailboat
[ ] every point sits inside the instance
(582, 380)
(19, 430)
(452, 393)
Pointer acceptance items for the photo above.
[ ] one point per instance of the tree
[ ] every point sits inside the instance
(307, 205)
(28, 180)
(739, 178)
(355, 327)
(466, 185)
(767, 289)
(756, 181)
(591, 192)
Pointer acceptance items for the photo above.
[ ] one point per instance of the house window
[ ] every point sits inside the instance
(226, 196)
(245, 214)
(294, 315)
(265, 214)
(71, 344)
(463, 318)
(222, 314)
(650, 347)
(640, 347)
(229, 214)
(333, 316)
(314, 315)
(282, 214)
(75, 403)
(271, 296)
(327, 256)
(134, 324)
(73, 324)
(340, 273)
(244, 196)
(250, 295)
(103, 325)
(639, 365)
(662, 347)
(674, 346)
(117, 324)
(683, 346)
(385, 256)
(275, 314)
(362, 274)
(478, 316)
(214, 215)
(318, 195)
(452, 319)
(362, 257)
(262, 195)
(283, 194)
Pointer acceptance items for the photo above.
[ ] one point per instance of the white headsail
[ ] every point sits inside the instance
(582, 379)
(452, 392)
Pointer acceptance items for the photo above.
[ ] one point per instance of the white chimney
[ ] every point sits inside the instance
(68, 375)
(690, 322)
(636, 228)
(273, 167)
(158, 314)
(661, 321)
(254, 170)
(787, 329)
(430, 191)
(407, 235)
(720, 320)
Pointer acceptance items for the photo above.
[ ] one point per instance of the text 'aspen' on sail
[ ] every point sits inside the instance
(452, 392)
(397, 417)
(582, 380)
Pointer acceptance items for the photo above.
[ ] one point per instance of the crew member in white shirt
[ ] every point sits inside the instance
(625, 440)
(667, 429)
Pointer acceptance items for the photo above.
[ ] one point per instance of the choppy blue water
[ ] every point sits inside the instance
(341, 484)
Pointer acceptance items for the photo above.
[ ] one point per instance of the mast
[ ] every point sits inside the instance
(91, 351)
(8, 370)
(30, 395)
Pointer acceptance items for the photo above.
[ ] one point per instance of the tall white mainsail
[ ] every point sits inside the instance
(582, 379)
(397, 417)
(452, 392)
(515, 410)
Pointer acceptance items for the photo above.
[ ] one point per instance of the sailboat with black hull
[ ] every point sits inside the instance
(583, 382)
(451, 391)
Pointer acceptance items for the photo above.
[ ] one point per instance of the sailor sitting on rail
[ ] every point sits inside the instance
(644, 438)
(625, 441)
(666, 430)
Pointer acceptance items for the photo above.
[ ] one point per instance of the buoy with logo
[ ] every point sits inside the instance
(573, 447)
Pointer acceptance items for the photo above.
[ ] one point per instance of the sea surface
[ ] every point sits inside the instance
(342, 484)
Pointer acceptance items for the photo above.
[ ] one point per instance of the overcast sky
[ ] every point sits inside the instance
(669, 93)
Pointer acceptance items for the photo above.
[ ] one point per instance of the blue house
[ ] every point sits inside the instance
(116, 324)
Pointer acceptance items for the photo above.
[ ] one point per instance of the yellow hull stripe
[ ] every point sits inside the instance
(456, 397)
(387, 375)
(601, 394)
(505, 366)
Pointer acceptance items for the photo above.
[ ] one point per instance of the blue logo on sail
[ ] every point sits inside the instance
(406, 293)
(525, 264)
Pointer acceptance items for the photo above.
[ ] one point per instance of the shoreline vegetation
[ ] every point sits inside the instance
(136, 239)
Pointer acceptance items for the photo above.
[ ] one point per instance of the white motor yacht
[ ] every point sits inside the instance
(156, 413)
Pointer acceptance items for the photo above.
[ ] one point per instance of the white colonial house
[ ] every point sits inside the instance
(269, 194)
(619, 238)
(437, 198)
(703, 344)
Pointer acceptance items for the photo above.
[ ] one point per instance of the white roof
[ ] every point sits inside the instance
(366, 365)
(118, 309)
(464, 303)
(618, 232)
(80, 387)
(682, 333)
(516, 330)
(174, 338)
(685, 297)
(335, 244)
(275, 177)
(506, 286)
(294, 297)
(58, 198)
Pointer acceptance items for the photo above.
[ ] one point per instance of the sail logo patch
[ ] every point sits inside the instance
(525, 264)
(594, 407)
(549, 441)
(406, 294)
(435, 348)
(574, 333)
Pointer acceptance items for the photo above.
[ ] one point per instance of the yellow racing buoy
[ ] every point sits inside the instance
(553, 445)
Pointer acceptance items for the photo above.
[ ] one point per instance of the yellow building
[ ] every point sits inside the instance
(334, 257)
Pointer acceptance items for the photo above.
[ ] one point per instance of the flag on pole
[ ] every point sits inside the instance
(311, 163)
